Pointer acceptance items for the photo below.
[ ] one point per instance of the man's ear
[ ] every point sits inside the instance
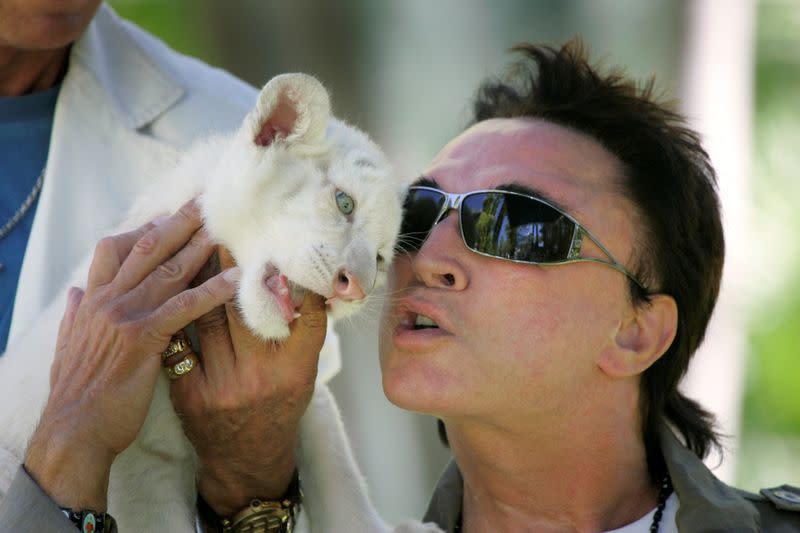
(290, 108)
(642, 339)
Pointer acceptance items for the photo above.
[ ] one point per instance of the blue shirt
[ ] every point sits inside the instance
(25, 126)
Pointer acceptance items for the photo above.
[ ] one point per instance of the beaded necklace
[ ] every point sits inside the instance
(663, 493)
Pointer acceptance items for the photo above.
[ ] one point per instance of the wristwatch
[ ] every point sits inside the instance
(88, 521)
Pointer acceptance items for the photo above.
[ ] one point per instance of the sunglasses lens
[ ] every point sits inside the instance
(515, 227)
(422, 206)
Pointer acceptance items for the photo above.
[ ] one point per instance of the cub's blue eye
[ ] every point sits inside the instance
(344, 202)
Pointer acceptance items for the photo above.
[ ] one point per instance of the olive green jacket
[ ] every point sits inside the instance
(706, 504)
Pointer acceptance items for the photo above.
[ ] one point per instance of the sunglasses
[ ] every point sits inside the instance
(505, 225)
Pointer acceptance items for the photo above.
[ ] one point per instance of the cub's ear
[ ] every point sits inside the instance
(290, 108)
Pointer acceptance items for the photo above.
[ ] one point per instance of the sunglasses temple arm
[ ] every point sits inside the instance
(611, 261)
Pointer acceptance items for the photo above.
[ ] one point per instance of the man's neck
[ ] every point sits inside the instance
(30, 71)
(575, 478)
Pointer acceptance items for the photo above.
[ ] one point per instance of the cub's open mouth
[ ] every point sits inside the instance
(288, 295)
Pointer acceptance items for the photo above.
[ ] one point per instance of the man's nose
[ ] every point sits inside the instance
(438, 261)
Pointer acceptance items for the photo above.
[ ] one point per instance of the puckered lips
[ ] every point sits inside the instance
(288, 295)
(420, 323)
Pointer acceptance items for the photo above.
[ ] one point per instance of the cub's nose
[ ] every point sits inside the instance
(347, 287)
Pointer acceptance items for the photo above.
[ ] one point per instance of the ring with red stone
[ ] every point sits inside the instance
(182, 367)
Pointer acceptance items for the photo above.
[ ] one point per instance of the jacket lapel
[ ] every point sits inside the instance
(98, 159)
(706, 503)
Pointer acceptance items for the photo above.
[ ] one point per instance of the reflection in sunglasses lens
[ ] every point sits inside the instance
(515, 227)
(498, 224)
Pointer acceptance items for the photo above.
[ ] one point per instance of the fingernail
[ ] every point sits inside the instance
(158, 220)
(297, 315)
(232, 274)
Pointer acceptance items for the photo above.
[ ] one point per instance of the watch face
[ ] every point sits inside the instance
(89, 523)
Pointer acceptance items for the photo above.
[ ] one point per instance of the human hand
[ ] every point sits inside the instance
(242, 410)
(108, 352)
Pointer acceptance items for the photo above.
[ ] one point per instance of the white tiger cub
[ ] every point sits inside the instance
(303, 202)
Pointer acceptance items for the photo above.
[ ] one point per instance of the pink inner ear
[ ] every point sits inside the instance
(279, 124)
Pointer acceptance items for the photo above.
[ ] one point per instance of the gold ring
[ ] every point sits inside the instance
(177, 345)
(182, 367)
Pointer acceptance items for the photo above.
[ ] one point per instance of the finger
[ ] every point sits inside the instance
(309, 329)
(210, 269)
(158, 245)
(172, 276)
(193, 303)
(307, 333)
(185, 389)
(243, 341)
(225, 258)
(219, 357)
(186, 351)
(300, 350)
(181, 365)
(212, 329)
(109, 254)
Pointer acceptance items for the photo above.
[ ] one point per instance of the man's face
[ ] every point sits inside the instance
(513, 339)
(43, 24)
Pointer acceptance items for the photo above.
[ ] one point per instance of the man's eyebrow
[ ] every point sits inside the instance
(530, 191)
(425, 181)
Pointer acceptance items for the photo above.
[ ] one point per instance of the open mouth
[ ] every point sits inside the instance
(421, 326)
(424, 322)
(288, 295)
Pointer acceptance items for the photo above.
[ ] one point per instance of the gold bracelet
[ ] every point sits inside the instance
(271, 516)
(262, 517)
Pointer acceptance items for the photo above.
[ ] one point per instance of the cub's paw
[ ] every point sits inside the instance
(268, 303)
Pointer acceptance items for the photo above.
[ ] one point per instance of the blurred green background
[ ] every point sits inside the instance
(404, 71)
(771, 414)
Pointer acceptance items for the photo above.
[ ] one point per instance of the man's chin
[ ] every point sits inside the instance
(51, 31)
(412, 391)
(57, 31)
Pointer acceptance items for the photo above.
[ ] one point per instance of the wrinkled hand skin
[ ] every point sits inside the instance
(241, 409)
(108, 352)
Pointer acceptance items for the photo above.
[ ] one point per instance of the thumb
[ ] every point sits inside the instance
(307, 333)
(312, 315)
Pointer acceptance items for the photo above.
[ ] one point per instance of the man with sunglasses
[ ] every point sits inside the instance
(564, 258)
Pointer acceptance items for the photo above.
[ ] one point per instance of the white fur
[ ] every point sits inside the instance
(270, 204)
